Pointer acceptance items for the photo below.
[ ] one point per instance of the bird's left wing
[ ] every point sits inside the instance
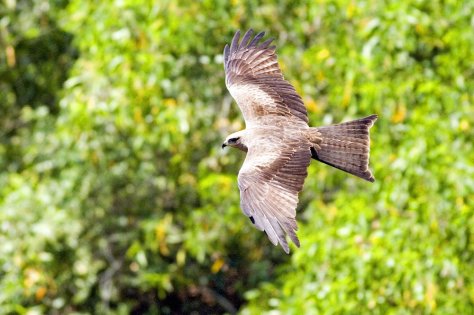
(255, 81)
(269, 182)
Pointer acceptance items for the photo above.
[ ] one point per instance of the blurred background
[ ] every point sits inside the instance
(116, 198)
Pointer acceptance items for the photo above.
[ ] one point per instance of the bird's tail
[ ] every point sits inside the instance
(346, 146)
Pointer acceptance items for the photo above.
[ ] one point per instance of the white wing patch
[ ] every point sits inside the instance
(252, 100)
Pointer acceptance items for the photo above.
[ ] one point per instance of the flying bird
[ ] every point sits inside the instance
(278, 140)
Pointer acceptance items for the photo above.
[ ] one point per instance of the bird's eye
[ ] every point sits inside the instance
(233, 140)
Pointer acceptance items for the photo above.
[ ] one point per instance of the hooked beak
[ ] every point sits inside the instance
(224, 145)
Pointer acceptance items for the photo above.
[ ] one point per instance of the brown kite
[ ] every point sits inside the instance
(278, 141)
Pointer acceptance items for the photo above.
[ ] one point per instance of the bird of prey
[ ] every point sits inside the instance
(278, 140)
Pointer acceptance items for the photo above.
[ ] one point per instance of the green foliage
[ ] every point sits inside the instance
(115, 196)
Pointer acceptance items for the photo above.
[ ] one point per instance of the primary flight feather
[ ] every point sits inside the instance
(278, 141)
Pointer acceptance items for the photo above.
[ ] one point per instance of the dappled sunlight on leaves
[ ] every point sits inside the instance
(116, 197)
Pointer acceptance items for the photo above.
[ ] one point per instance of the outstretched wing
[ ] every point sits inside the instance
(255, 81)
(269, 181)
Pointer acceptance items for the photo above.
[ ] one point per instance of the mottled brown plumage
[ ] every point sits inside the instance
(278, 141)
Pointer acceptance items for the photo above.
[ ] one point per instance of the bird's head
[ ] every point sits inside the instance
(236, 140)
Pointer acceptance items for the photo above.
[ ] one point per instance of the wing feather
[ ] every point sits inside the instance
(254, 79)
(246, 38)
(234, 46)
(269, 186)
(256, 39)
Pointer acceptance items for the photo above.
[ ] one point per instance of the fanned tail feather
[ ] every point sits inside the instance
(346, 146)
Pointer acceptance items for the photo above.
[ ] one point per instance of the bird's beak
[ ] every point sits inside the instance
(224, 145)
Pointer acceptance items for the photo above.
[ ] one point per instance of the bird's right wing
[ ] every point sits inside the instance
(269, 185)
(255, 81)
